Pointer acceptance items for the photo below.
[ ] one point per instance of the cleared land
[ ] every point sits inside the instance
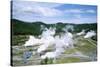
(84, 50)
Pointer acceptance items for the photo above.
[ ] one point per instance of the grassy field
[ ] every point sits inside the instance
(84, 50)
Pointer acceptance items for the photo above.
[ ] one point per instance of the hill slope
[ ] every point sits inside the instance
(20, 27)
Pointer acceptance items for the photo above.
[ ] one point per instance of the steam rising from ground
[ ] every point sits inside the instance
(32, 41)
(48, 38)
(81, 33)
(59, 42)
(90, 34)
(68, 27)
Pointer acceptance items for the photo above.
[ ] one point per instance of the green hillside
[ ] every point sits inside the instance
(22, 28)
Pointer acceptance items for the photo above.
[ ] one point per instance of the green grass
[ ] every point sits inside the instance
(19, 40)
(70, 51)
(87, 47)
(68, 60)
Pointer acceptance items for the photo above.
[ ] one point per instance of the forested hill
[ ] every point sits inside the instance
(20, 27)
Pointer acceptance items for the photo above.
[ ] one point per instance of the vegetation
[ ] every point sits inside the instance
(22, 28)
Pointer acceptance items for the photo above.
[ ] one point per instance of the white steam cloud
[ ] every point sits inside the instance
(60, 42)
(90, 34)
(32, 41)
(47, 39)
(81, 33)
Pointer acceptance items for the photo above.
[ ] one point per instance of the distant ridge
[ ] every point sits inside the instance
(34, 28)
